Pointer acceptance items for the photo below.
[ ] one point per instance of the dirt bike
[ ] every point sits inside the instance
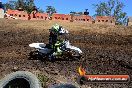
(43, 51)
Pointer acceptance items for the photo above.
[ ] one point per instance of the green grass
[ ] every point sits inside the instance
(43, 79)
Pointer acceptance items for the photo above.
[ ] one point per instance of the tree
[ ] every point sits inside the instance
(40, 10)
(20, 4)
(72, 12)
(27, 5)
(10, 5)
(111, 8)
(1, 5)
(50, 10)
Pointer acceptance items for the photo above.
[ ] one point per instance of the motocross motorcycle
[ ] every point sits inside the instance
(43, 51)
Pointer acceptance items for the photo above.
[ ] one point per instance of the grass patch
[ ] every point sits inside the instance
(43, 79)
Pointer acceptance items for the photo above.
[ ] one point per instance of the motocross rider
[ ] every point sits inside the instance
(53, 34)
(53, 39)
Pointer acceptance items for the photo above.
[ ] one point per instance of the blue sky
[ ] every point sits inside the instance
(65, 6)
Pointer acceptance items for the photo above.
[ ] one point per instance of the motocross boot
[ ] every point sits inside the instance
(51, 58)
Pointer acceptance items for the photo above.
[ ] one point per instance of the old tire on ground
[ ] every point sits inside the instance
(81, 80)
(24, 75)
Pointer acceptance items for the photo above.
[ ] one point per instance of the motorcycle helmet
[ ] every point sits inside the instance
(56, 27)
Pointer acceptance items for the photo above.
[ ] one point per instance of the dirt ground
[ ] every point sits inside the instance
(106, 50)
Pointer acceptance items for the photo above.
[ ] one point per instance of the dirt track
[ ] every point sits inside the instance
(107, 50)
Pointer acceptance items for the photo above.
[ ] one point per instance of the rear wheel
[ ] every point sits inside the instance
(35, 55)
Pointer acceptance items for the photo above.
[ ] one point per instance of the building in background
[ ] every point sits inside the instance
(1, 10)
(23, 15)
(64, 17)
(16, 14)
(20, 14)
(1, 13)
(35, 15)
(130, 21)
(105, 20)
(83, 18)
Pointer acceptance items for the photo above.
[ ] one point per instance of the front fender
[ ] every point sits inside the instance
(37, 45)
(75, 48)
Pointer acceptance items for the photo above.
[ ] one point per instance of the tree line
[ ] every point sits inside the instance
(112, 8)
(27, 5)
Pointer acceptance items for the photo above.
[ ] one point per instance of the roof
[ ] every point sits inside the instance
(60, 14)
(104, 17)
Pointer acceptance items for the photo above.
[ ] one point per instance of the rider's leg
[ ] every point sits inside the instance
(58, 51)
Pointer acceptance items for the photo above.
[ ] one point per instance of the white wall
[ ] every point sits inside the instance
(129, 23)
(1, 13)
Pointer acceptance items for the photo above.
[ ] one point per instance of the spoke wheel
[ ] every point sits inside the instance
(34, 55)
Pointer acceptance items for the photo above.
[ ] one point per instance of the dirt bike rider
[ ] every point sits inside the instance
(55, 43)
